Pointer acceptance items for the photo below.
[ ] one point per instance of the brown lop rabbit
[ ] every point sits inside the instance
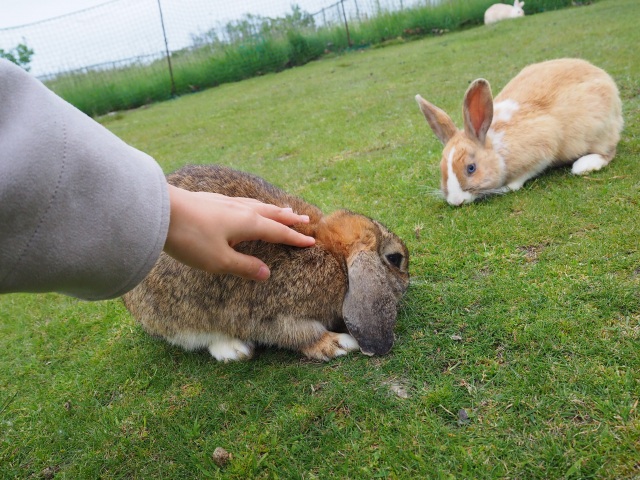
(351, 281)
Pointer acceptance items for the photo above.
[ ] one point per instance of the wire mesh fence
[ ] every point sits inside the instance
(125, 53)
(177, 41)
(98, 52)
(120, 32)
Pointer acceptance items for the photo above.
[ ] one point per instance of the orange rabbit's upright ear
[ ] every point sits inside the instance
(477, 109)
(438, 120)
(370, 306)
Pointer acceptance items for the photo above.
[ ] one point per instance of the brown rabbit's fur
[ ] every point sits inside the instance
(301, 304)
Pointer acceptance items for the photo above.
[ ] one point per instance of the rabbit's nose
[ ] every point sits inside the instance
(458, 198)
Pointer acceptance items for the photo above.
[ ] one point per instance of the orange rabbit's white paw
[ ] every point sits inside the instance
(588, 163)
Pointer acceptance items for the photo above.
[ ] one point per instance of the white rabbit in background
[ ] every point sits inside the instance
(502, 11)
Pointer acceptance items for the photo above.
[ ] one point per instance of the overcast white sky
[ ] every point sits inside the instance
(20, 12)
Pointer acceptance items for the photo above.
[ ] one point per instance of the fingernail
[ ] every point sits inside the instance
(305, 218)
(263, 273)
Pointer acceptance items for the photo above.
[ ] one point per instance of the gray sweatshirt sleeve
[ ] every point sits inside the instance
(81, 212)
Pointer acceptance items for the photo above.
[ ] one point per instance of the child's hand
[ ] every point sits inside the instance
(204, 228)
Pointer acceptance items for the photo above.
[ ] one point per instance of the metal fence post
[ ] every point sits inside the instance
(346, 25)
(166, 46)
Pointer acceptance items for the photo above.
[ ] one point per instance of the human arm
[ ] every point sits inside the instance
(85, 214)
(81, 212)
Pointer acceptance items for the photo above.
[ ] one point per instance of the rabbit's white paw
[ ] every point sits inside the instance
(331, 345)
(588, 163)
(227, 349)
(348, 343)
(222, 347)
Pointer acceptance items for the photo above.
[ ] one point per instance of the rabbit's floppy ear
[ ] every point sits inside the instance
(369, 309)
(439, 121)
(478, 109)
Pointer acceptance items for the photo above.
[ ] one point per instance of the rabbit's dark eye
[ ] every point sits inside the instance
(471, 168)
(395, 259)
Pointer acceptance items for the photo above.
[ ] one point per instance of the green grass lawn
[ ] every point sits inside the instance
(518, 343)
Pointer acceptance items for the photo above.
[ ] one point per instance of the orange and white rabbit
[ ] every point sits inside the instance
(558, 112)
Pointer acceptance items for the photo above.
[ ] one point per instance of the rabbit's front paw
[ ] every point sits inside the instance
(331, 345)
(228, 349)
(588, 163)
